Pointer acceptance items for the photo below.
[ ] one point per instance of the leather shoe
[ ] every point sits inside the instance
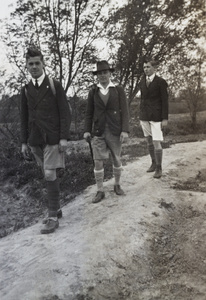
(158, 172)
(118, 190)
(99, 196)
(50, 226)
(152, 168)
(59, 216)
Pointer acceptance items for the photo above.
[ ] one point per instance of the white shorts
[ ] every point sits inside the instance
(151, 128)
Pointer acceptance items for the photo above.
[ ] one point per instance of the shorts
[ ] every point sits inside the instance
(49, 157)
(105, 144)
(151, 128)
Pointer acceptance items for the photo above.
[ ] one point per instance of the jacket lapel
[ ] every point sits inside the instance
(32, 93)
(43, 89)
(98, 98)
(144, 86)
(153, 82)
(40, 93)
(147, 88)
(111, 95)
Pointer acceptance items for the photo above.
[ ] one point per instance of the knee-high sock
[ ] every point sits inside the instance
(99, 177)
(158, 157)
(117, 174)
(53, 197)
(152, 152)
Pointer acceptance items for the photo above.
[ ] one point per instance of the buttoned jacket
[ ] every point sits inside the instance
(115, 113)
(154, 100)
(45, 117)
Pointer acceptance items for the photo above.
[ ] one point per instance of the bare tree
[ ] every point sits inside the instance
(65, 32)
(162, 29)
(194, 92)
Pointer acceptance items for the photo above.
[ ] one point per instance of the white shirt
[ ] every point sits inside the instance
(104, 90)
(39, 80)
(151, 77)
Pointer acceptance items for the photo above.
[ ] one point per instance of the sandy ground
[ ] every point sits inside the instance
(147, 245)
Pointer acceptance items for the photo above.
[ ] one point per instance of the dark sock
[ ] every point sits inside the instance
(53, 197)
(158, 157)
(152, 152)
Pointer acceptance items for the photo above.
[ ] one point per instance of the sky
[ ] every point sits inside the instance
(6, 7)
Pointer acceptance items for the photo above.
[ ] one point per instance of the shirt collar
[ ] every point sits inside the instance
(151, 77)
(39, 80)
(104, 90)
(111, 84)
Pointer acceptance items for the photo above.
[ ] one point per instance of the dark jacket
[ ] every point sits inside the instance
(114, 113)
(45, 118)
(154, 100)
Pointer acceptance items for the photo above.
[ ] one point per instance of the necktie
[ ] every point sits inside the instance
(148, 81)
(36, 84)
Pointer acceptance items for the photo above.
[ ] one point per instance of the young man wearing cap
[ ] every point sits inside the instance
(107, 116)
(45, 123)
(153, 113)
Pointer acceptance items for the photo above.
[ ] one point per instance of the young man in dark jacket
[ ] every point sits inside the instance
(153, 113)
(107, 116)
(45, 123)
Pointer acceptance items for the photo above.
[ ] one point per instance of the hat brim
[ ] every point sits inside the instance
(96, 72)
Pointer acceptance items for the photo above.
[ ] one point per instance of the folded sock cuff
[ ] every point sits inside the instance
(98, 171)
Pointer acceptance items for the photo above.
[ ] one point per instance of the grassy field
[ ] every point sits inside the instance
(180, 124)
(201, 117)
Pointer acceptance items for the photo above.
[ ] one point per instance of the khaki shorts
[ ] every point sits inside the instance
(151, 128)
(49, 157)
(104, 145)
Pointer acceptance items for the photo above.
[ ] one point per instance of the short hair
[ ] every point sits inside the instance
(150, 60)
(32, 52)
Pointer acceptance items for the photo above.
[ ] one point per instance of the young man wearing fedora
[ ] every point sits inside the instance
(107, 118)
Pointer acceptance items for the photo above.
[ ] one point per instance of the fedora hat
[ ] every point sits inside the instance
(102, 66)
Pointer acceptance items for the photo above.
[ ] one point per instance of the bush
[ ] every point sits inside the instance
(23, 193)
(19, 173)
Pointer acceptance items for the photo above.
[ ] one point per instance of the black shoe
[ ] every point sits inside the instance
(59, 213)
(99, 196)
(118, 190)
(158, 172)
(59, 216)
(152, 168)
(50, 226)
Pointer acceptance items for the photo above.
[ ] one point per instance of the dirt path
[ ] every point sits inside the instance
(147, 245)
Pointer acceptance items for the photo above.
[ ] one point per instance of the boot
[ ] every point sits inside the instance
(152, 168)
(98, 197)
(59, 216)
(158, 172)
(118, 190)
(50, 226)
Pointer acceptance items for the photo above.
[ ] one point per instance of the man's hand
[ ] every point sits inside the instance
(164, 123)
(63, 144)
(123, 137)
(25, 151)
(87, 136)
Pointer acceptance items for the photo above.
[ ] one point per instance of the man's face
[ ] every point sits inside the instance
(35, 66)
(148, 69)
(104, 77)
